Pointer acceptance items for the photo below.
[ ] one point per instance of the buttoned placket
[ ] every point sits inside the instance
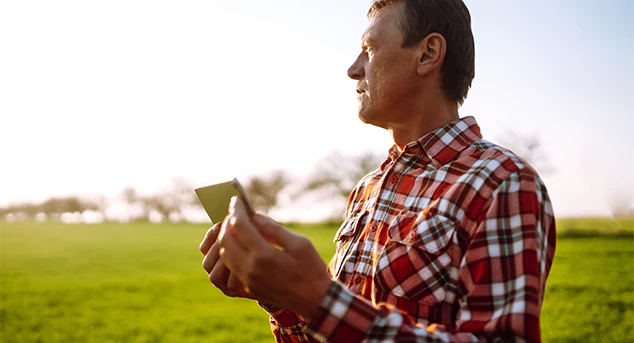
(389, 183)
(396, 168)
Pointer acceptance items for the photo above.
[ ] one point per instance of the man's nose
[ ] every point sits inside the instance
(356, 71)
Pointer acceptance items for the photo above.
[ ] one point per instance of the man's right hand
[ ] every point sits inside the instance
(218, 273)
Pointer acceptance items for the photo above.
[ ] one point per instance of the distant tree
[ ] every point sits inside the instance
(263, 192)
(163, 204)
(52, 208)
(56, 206)
(22, 210)
(622, 205)
(134, 200)
(183, 191)
(97, 204)
(129, 195)
(338, 174)
(172, 201)
(530, 148)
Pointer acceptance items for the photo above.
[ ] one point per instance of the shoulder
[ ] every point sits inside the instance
(498, 165)
(507, 190)
(505, 176)
(494, 174)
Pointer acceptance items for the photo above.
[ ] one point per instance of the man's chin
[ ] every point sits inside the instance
(363, 118)
(368, 119)
(365, 115)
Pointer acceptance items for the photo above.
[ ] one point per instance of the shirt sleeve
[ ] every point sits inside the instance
(286, 326)
(502, 278)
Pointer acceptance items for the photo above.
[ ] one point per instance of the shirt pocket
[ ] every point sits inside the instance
(416, 262)
(344, 238)
(350, 226)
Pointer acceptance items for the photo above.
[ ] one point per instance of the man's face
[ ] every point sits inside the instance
(385, 71)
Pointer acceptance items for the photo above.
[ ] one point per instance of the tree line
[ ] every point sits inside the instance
(333, 177)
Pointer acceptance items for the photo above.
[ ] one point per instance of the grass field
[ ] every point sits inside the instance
(144, 283)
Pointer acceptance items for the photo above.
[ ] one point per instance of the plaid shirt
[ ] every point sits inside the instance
(451, 240)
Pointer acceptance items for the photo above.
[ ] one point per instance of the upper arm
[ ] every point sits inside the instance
(508, 257)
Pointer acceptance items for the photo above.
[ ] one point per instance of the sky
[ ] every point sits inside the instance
(99, 95)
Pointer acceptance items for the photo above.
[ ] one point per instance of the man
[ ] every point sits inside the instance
(450, 240)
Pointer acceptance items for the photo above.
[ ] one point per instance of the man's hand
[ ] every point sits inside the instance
(276, 266)
(218, 273)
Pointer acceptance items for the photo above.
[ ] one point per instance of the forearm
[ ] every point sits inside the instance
(348, 318)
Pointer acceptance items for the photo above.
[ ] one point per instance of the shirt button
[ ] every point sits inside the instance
(393, 179)
(373, 227)
(412, 235)
(357, 279)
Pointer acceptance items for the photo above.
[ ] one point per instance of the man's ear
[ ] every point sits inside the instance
(431, 53)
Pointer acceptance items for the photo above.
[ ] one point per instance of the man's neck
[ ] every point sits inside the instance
(423, 121)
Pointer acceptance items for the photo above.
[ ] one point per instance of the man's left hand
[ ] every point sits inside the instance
(277, 266)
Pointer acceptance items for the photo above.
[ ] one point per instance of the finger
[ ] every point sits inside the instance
(209, 239)
(231, 251)
(228, 236)
(211, 258)
(244, 230)
(219, 276)
(276, 233)
(236, 287)
(232, 254)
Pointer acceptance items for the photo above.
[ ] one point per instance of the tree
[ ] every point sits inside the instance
(56, 206)
(22, 210)
(134, 200)
(182, 190)
(264, 192)
(621, 204)
(171, 202)
(338, 174)
(164, 204)
(130, 195)
(335, 177)
(97, 204)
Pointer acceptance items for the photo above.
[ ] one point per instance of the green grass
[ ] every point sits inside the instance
(144, 283)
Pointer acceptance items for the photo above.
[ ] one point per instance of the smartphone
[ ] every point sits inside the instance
(216, 198)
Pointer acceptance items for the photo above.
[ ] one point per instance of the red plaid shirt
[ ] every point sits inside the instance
(451, 240)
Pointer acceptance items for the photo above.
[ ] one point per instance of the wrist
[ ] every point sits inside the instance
(311, 307)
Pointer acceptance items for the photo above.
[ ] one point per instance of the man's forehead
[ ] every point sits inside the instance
(373, 30)
(380, 21)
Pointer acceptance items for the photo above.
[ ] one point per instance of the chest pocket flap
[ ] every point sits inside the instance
(429, 233)
(416, 263)
(350, 226)
(345, 243)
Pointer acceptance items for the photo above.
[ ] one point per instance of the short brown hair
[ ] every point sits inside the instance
(452, 20)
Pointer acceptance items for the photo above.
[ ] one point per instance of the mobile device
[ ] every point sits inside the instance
(216, 198)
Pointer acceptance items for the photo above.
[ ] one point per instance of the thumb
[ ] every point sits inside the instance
(275, 233)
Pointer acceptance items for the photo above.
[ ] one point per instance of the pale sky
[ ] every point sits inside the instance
(99, 95)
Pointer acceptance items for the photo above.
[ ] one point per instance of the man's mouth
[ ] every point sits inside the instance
(361, 88)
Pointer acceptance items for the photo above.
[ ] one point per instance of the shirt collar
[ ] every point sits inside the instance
(443, 144)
